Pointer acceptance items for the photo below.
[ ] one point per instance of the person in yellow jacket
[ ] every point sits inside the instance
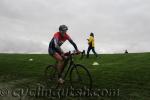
(91, 45)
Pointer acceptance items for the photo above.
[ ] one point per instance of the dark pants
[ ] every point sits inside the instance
(93, 50)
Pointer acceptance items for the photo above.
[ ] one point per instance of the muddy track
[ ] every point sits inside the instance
(7, 89)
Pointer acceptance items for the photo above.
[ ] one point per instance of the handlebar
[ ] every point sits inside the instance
(75, 53)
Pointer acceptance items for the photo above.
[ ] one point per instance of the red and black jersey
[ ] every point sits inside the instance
(58, 39)
(61, 39)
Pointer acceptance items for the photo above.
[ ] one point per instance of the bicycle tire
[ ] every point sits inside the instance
(76, 73)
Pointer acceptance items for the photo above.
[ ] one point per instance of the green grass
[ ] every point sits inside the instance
(130, 73)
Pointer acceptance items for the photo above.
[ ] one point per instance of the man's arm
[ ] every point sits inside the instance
(74, 45)
(57, 46)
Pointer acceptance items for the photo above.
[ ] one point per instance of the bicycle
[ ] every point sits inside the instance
(79, 75)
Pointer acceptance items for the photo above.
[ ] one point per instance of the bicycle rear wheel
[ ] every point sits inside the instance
(80, 77)
(51, 76)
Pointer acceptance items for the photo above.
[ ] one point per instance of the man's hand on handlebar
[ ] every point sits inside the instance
(78, 52)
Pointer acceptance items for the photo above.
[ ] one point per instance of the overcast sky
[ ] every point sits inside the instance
(27, 26)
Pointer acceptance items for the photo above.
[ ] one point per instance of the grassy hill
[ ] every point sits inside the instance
(127, 73)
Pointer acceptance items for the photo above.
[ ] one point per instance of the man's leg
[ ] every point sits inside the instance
(88, 51)
(60, 65)
(93, 49)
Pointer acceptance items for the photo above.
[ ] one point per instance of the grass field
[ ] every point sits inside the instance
(127, 73)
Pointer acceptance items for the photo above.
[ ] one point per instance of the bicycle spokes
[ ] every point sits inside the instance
(80, 77)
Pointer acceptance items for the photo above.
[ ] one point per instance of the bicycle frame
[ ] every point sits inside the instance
(71, 63)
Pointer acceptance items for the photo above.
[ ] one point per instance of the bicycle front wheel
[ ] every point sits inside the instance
(80, 77)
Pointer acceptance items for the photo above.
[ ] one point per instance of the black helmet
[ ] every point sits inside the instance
(63, 28)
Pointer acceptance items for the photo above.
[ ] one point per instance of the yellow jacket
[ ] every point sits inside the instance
(91, 41)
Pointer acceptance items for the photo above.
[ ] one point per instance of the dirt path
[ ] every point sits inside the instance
(10, 91)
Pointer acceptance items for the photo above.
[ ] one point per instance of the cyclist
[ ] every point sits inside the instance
(91, 45)
(55, 49)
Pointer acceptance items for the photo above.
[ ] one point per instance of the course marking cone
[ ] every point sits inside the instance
(95, 63)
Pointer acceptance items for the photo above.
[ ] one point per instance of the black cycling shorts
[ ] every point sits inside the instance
(52, 51)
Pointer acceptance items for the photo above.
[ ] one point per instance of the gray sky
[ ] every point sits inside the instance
(27, 26)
